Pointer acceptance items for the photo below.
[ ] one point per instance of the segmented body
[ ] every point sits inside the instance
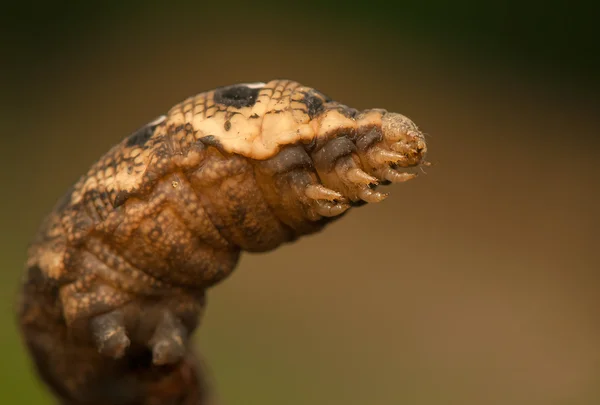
(116, 276)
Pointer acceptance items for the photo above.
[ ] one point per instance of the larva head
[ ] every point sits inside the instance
(403, 136)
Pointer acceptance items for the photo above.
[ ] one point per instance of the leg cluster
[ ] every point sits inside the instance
(351, 167)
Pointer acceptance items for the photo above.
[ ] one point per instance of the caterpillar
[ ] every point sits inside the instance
(116, 276)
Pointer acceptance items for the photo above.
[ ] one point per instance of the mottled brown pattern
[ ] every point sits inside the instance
(116, 276)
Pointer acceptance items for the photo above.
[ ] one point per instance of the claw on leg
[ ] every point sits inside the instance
(327, 209)
(168, 341)
(319, 192)
(326, 202)
(358, 176)
(380, 156)
(371, 196)
(109, 334)
(396, 176)
(358, 183)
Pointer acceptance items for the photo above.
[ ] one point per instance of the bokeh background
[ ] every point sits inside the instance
(475, 284)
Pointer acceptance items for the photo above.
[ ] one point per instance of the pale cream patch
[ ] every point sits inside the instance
(176, 117)
(333, 120)
(256, 85)
(158, 120)
(257, 138)
(76, 196)
(121, 179)
(51, 263)
(124, 181)
(282, 119)
(396, 126)
(370, 118)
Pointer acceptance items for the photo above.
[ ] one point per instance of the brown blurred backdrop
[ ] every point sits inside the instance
(475, 284)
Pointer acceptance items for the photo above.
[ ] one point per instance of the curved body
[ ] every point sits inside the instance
(116, 275)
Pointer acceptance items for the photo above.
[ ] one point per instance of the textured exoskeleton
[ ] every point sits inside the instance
(116, 276)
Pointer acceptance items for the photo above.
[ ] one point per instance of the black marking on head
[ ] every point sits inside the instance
(227, 125)
(237, 96)
(254, 116)
(314, 103)
(141, 136)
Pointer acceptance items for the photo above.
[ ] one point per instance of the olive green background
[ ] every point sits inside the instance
(477, 283)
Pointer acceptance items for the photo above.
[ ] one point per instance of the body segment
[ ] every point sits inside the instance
(116, 277)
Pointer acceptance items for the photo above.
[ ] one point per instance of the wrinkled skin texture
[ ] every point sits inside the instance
(117, 274)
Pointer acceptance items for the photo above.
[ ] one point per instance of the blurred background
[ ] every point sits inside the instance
(477, 283)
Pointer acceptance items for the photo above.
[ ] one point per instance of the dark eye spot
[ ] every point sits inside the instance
(141, 136)
(314, 104)
(236, 96)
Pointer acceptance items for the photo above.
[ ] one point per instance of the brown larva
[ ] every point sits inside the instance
(116, 276)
